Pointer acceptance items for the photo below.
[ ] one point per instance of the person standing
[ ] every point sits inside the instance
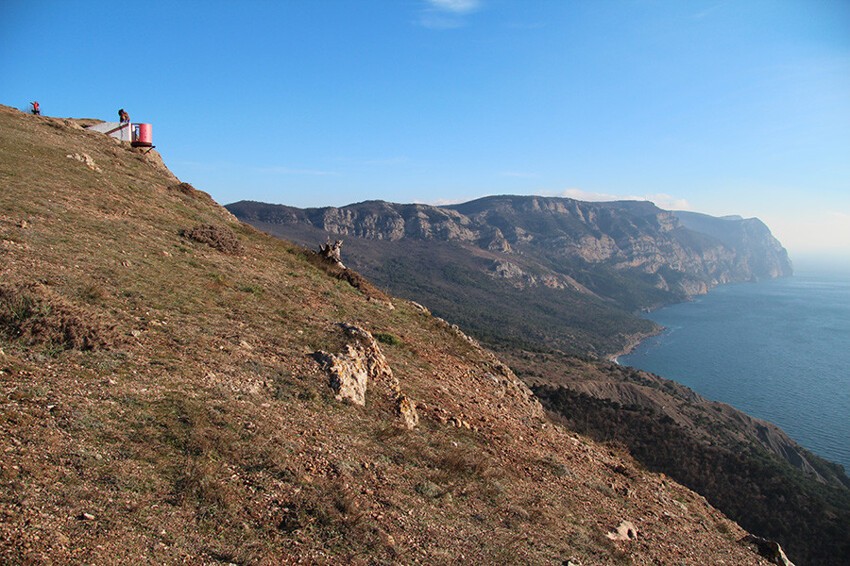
(123, 117)
(36, 109)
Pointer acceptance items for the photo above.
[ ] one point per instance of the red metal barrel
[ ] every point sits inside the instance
(143, 135)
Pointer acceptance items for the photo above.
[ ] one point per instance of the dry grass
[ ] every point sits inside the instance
(183, 411)
(36, 316)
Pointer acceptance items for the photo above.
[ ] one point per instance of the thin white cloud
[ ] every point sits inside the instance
(447, 14)
(661, 200)
(455, 6)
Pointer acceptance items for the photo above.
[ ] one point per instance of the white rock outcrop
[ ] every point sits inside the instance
(361, 362)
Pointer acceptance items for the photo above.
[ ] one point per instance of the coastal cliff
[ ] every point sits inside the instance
(583, 268)
(561, 241)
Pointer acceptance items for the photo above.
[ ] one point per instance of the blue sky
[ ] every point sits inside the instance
(723, 107)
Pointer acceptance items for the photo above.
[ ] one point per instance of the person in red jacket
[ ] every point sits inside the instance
(36, 109)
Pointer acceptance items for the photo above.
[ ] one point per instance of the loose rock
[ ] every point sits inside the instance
(625, 531)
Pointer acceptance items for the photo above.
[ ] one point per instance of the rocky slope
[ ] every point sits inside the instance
(707, 422)
(167, 395)
(537, 277)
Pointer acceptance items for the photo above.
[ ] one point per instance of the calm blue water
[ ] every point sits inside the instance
(778, 350)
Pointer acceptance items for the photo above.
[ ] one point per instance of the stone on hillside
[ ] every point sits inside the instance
(768, 548)
(362, 361)
(375, 362)
(625, 531)
(407, 411)
(85, 159)
(349, 376)
(419, 307)
(332, 252)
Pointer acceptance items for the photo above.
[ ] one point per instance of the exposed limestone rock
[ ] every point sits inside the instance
(456, 329)
(407, 411)
(375, 363)
(767, 548)
(385, 224)
(552, 282)
(507, 270)
(362, 361)
(351, 370)
(85, 159)
(349, 375)
(692, 288)
(625, 531)
(420, 308)
(593, 249)
(497, 242)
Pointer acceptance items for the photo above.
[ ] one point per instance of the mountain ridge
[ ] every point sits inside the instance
(603, 232)
(612, 258)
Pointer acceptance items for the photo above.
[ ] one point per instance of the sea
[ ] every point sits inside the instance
(778, 350)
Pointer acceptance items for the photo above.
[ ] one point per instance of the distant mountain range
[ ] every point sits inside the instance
(537, 270)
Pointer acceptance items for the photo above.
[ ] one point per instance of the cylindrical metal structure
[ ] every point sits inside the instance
(144, 137)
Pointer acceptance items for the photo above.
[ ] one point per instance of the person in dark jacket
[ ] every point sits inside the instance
(123, 117)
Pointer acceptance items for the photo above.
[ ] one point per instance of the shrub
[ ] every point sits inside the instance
(218, 237)
(386, 338)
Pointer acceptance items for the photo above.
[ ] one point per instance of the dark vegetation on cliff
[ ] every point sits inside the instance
(738, 463)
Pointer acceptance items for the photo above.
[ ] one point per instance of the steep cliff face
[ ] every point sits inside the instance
(759, 253)
(680, 255)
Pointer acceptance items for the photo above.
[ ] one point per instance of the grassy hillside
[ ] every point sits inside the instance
(160, 402)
